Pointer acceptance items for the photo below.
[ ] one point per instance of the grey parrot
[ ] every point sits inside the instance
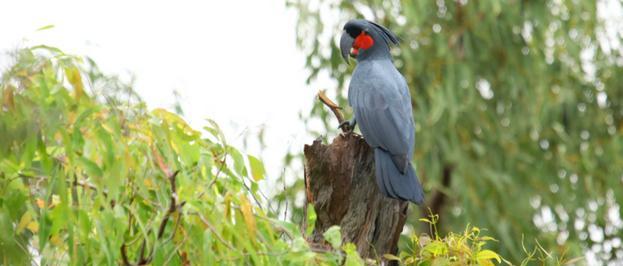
(381, 103)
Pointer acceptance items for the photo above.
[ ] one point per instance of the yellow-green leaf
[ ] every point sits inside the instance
(257, 168)
(247, 213)
(75, 79)
(8, 100)
(149, 184)
(23, 222)
(436, 248)
(90, 167)
(487, 238)
(46, 27)
(227, 203)
(485, 263)
(56, 240)
(311, 219)
(333, 236)
(352, 257)
(487, 255)
(391, 257)
(33, 226)
(55, 201)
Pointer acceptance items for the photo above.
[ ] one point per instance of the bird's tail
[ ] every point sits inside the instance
(393, 183)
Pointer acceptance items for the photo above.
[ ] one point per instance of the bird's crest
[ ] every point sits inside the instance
(388, 36)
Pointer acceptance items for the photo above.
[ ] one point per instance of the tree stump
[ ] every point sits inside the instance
(340, 182)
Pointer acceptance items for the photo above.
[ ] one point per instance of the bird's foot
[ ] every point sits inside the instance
(348, 126)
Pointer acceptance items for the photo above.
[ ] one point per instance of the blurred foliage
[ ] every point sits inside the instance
(520, 102)
(89, 176)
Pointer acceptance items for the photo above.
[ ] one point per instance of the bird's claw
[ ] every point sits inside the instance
(347, 126)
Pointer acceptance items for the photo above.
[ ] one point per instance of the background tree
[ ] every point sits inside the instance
(519, 111)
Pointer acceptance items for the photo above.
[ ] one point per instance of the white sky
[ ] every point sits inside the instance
(233, 61)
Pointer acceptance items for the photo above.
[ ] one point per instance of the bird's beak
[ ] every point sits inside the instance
(346, 44)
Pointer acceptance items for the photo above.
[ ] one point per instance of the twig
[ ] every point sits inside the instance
(124, 255)
(141, 254)
(176, 250)
(223, 162)
(257, 201)
(219, 237)
(332, 105)
(160, 162)
(75, 182)
(259, 190)
(173, 207)
(88, 185)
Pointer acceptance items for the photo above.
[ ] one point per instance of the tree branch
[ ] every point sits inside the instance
(173, 207)
(332, 105)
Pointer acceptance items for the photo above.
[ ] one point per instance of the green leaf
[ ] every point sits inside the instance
(436, 248)
(48, 48)
(425, 220)
(352, 257)
(257, 168)
(487, 238)
(90, 167)
(46, 27)
(311, 219)
(75, 79)
(239, 165)
(23, 222)
(391, 257)
(487, 255)
(333, 236)
(214, 129)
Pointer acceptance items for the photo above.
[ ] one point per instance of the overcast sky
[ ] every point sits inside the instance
(233, 61)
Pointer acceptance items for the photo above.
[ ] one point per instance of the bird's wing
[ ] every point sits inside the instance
(382, 107)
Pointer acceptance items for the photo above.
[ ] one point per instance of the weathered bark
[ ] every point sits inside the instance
(340, 182)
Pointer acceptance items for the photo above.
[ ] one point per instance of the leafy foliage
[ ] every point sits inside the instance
(454, 249)
(466, 248)
(89, 176)
(517, 107)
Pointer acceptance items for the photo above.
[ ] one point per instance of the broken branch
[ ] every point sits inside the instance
(332, 105)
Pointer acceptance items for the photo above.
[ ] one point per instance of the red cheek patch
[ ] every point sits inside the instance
(363, 41)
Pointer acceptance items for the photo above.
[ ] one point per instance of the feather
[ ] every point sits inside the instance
(388, 36)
